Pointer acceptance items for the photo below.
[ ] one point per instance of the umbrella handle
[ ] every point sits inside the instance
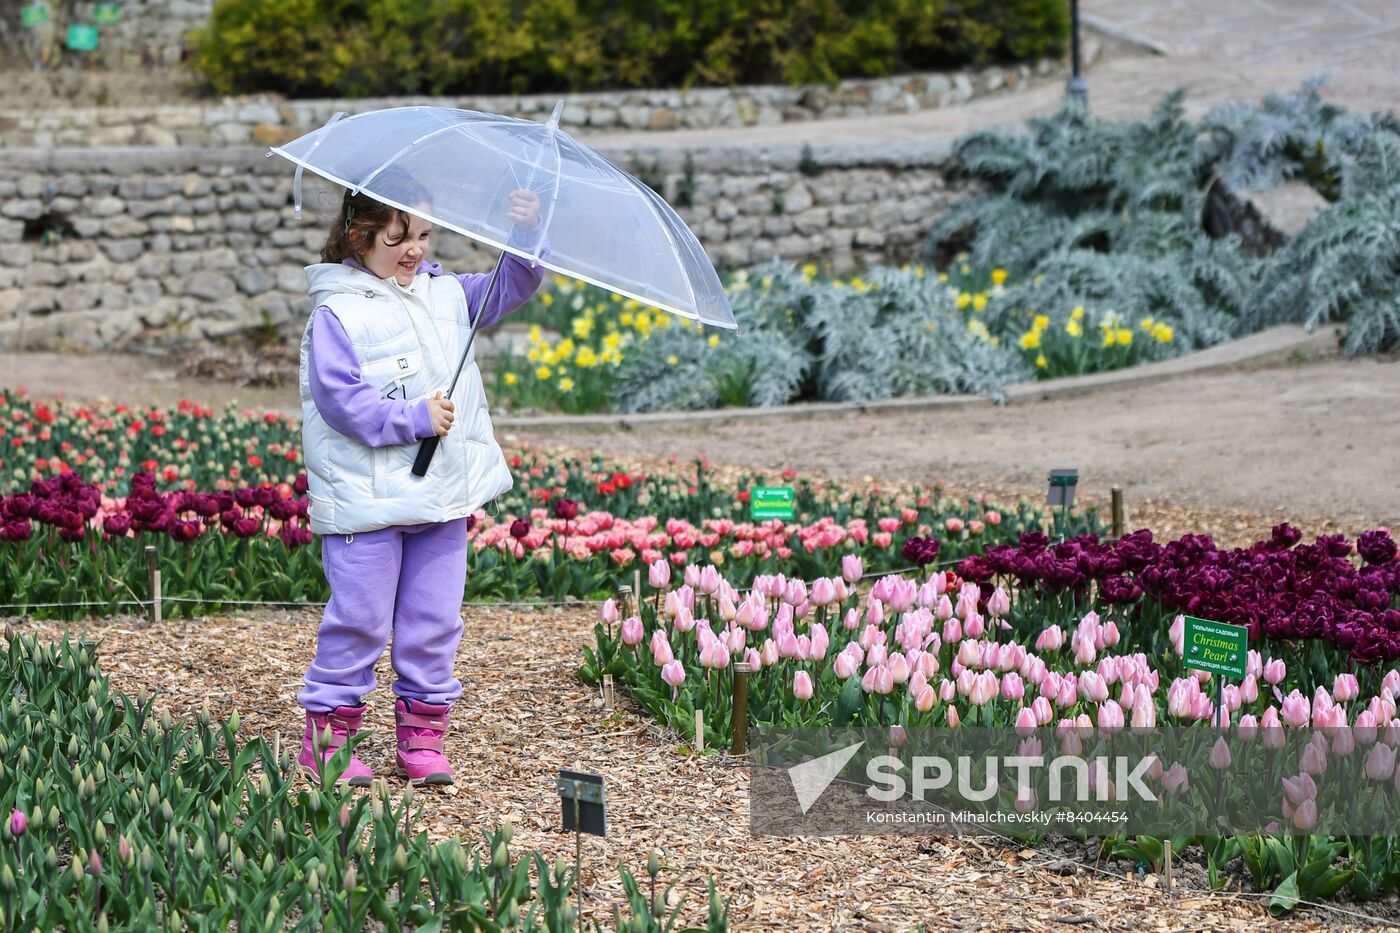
(425, 455)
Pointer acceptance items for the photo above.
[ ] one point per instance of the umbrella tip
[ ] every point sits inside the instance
(554, 117)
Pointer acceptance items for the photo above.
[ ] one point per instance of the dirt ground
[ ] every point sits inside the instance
(1314, 443)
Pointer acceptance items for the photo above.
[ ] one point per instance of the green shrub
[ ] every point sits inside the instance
(356, 48)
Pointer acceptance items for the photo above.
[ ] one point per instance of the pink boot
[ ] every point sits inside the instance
(343, 722)
(419, 729)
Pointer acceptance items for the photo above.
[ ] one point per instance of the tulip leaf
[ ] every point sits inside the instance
(1285, 896)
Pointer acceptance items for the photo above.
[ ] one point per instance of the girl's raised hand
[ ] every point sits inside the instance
(440, 409)
(524, 209)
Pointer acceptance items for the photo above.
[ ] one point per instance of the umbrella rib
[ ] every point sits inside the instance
(395, 157)
(647, 195)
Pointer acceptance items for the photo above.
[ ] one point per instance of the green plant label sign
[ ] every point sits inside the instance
(1216, 647)
(105, 14)
(82, 38)
(34, 14)
(771, 502)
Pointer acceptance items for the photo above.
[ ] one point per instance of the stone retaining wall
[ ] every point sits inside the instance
(267, 120)
(103, 248)
(150, 33)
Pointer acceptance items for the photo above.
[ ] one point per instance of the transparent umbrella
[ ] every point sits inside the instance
(603, 226)
(455, 169)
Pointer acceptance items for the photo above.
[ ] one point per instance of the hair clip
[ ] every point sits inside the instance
(349, 216)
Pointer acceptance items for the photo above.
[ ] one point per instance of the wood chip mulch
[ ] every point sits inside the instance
(524, 715)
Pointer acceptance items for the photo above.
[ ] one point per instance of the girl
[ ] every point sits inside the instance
(377, 356)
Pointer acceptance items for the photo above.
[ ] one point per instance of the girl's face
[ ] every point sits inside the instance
(396, 252)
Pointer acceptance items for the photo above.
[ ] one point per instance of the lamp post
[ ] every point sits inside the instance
(1077, 88)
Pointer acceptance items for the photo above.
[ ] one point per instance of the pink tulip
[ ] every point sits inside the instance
(1345, 688)
(769, 652)
(609, 612)
(692, 576)
(661, 648)
(1248, 727)
(1044, 713)
(1366, 727)
(820, 642)
(924, 699)
(898, 667)
(802, 686)
(1271, 729)
(1070, 743)
(899, 736)
(1144, 713)
(851, 569)
(1025, 800)
(851, 620)
(1305, 817)
(1052, 639)
(1313, 760)
(1390, 684)
(867, 682)
(1025, 722)
(944, 612)
(1249, 689)
(1110, 717)
(1092, 687)
(1084, 652)
(1175, 778)
(973, 625)
(1012, 688)
(984, 689)
(1296, 710)
(954, 720)
(673, 673)
(1220, 755)
(947, 691)
(19, 823)
(727, 610)
(753, 659)
(1380, 763)
(823, 592)
(1300, 788)
(877, 655)
(846, 665)
(884, 681)
(632, 632)
(735, 638)
(1274, 672)
(659, 574)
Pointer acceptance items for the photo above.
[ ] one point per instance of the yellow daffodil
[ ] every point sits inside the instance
(1162, 333)
(542, 373)
(534, 355)
(964, 299)
(1077, 314)
(631, 304)
(859, 285)
(1073, 329)
(1030, 340)
(566, 348)
(1040, 322)
(1125, 336)
(979, 301)
(1109, 337)
(625, 319)
(586, 358)
(1040, 362)
(809, 271)
(672, 360)
(714, 340)
(566, 384)
(611, 340)
(546, 299)
(535, 335)
(510, 379)
(919, 272)
(998, 276)
(943, 278)
(1146, 324)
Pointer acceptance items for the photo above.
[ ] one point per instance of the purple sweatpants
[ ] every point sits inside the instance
(405, 579)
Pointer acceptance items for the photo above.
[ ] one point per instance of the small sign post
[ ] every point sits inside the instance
(105, 14)
(1062, 486)
(1220, 649)
(585, 810)
(768, 502)
(34, 15)
(82, 38)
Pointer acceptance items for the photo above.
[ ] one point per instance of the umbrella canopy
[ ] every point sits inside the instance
(456, 167)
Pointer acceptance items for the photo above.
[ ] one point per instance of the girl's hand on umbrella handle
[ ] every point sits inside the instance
(524, 208)
(441, 411)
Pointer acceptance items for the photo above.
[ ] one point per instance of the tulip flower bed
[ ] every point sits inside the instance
(119, 818)
(1058, 645)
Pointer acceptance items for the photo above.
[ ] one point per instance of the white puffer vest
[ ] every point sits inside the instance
(408, 342)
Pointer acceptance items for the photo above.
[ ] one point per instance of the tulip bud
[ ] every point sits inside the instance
(233, 721)
(400, 859)
(52, 821)
(348, 884)
(124, 852)
(199, 851)
(152, 796)
(507, 831)
(344, 818)
(500, 858)
(101, 833)
(653, 864)
(148, 859)
(274, 911)
(7, 878)
(19, 823)
(95, 863)
(313, 882)
(269, 864)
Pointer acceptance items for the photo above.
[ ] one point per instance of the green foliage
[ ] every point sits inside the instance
(803, 339)
(1138, 217)
(358, 48)
(137, 821)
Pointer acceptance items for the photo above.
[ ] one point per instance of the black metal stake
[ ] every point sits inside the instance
(1078, 88)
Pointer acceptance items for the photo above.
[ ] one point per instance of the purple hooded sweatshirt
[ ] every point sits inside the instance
(357, 409)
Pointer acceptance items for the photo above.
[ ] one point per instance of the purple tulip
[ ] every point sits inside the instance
(19, 823)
